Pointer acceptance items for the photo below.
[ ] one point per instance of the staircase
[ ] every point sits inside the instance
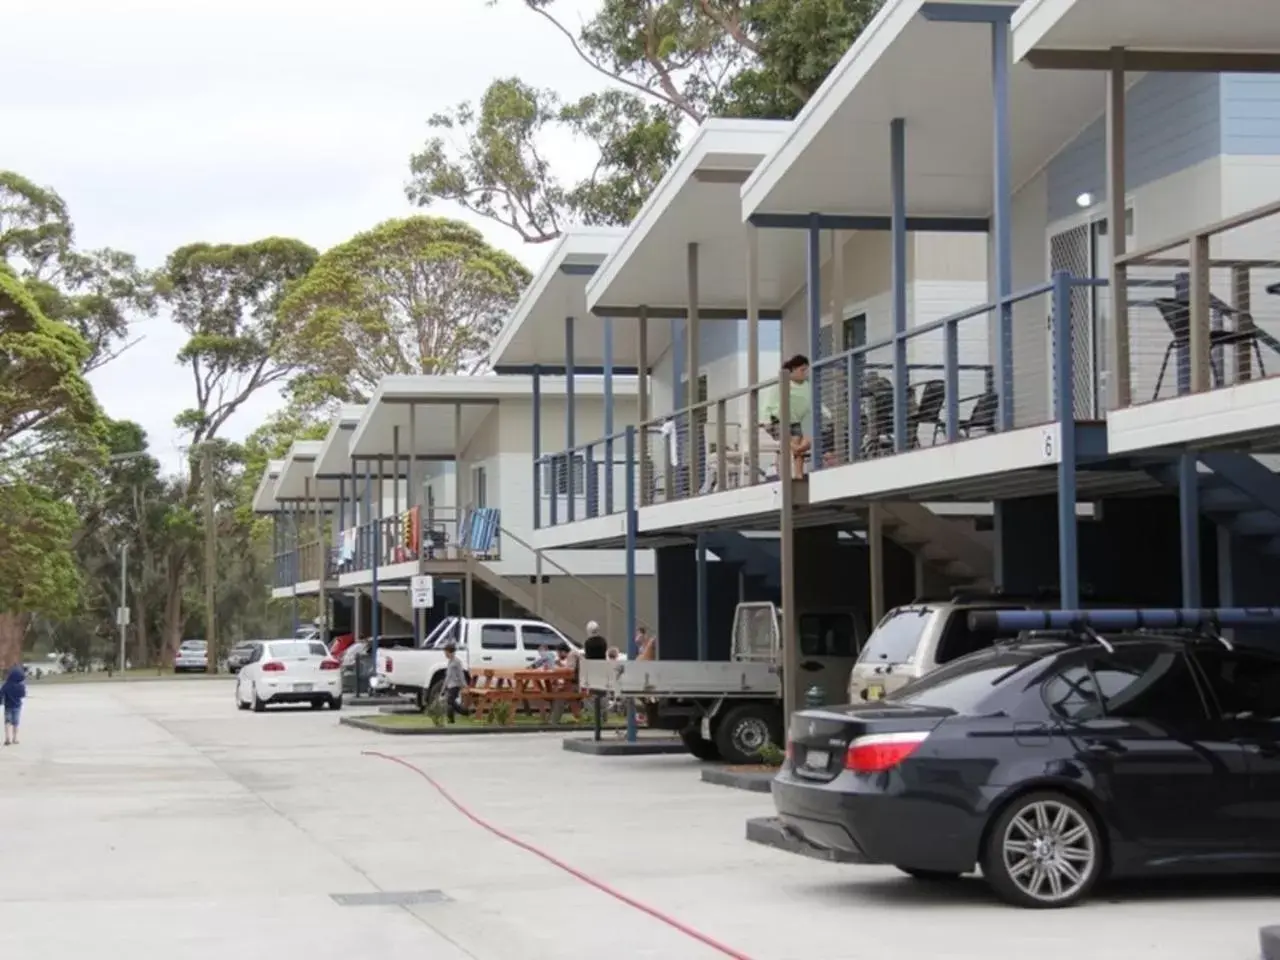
(942, 543)
(527, 600)
(1237, 492)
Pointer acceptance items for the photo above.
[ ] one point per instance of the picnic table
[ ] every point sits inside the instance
(546, 689)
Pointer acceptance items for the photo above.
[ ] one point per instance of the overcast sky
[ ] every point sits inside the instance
(163, 123)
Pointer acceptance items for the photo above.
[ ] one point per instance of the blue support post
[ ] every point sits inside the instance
(700, 553)
(371, 544)
(368, 515)
(568, 415)
(898, 245)
(1001, 221)
(951, 380)
(608, 415)
(1189, 528)
(629, 492)
(1068, 557)
(537, 448)
(814, 300)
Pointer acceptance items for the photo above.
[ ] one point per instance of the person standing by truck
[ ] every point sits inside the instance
(455, 680)
(595, 647)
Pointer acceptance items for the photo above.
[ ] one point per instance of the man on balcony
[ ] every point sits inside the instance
(795, 374)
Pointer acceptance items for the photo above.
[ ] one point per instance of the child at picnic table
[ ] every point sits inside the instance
(545, 660)
(455, 680)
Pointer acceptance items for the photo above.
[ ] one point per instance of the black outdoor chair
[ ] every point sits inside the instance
(932, 396)
(877, 424)
(982, 418)
(1177, 317)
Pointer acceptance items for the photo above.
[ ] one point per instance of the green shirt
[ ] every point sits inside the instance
(800, 407)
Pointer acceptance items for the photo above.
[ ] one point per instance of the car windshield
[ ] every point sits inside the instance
(296, 650)
(964, 686)
(896, 638)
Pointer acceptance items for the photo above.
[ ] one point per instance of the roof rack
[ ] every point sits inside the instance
(1204, 623)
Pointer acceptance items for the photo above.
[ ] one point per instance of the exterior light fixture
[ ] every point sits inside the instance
(1084, 201)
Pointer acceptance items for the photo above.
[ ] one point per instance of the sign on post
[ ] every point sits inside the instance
(122, 616)
(422, 590)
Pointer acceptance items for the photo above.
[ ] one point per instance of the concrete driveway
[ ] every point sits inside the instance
(153, 819)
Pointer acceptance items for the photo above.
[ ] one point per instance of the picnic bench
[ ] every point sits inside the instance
(546, 690)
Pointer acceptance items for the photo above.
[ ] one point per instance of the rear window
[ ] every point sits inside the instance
(193, 645)
(965, 686)
(896, 638)
(296, 650)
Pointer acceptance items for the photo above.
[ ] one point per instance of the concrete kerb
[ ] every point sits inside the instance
(360, 723)
(769, 832)
(621, 748)
(755, 781)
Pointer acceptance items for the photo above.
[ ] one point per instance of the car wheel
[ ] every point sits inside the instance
(930, 876)
(434, 692)
(335, 703)
(1044, 851)
(702, 749)
(317, 703)
(240, 704)
(259, 705)
(744, 731)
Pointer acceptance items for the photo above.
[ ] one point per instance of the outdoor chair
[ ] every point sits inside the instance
(982, 418)
(929, 412)
(1176, 314)
(877, 434)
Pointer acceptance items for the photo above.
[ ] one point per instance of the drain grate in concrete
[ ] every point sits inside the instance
(389, 898)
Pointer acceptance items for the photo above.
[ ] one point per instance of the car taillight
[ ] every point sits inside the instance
(329, 665)
(391, 665)
(882, 751)
(272, 666)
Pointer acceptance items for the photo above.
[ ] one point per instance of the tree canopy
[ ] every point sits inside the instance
(418, 295)
(668, 64)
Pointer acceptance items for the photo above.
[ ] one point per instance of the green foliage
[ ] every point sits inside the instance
(500, 713)
(35, 226)
(673, 62)
(435, 711)
(419, 295)
(38, 571)
(771, 755)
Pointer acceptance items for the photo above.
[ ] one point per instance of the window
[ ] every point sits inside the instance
(319, 650)
(1245, 686)
(965, 686)
(828, 635)
(897, 638)
(555, 476)
(479, 487)
(498, 636)
(1148, 683)
(294, 650)
(958, 640)
(1072, 693)
(854, 333)
(536, 635)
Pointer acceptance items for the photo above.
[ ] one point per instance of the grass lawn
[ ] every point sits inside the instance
(101, 676)
(420, 721)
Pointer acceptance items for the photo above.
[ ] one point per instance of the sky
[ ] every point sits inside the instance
(163, 123)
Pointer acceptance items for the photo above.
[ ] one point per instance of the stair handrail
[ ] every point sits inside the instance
(610, 603)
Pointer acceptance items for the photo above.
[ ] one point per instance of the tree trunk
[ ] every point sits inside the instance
(13, 630)
(141, 636)
(172, 612)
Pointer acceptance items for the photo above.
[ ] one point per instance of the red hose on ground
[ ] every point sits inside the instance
(572, 871)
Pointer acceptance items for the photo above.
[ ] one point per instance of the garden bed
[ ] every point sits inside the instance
(420, 724)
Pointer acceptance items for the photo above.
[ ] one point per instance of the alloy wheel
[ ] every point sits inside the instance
(1049, 851)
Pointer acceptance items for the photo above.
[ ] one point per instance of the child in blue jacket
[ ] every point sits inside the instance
(12, 693)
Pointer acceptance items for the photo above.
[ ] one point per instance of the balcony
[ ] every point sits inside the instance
(1200, 338)
(960, 381)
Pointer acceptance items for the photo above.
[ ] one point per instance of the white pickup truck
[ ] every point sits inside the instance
(479, 642)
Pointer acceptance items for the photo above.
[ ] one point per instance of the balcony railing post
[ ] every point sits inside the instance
(753, 430)
(1198, 333)
(553, 485)
(537, 493)
(1242, 300)
(853, 407)
(722, 438)
(951, 379)
(589, 475)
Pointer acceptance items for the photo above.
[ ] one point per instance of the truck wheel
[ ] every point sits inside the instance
(743, 731)
(702, 749)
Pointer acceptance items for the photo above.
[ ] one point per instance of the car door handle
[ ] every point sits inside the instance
(1106, 746)
(486, 658)
(530, 659)
(810, 665)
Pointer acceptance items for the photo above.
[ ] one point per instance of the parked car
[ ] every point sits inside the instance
(289, 671)
(192, 657)
(240, 654)
(487, 642)
(1051, 762)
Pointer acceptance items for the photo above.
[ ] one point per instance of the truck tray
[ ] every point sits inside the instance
(659, 679)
